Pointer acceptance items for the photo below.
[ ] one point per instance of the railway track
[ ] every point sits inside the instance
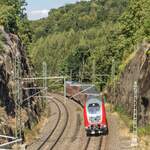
(53, 139)
(87, 145)
(63, 129)
(59, 115)
(94, 143)
(46, 142)
(89, 138)
(100, 144)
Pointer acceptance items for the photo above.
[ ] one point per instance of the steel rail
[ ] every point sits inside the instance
(89, 138)
(100, 143)
(65, 125)
(87, 143)
(57, 123)
(58, 120)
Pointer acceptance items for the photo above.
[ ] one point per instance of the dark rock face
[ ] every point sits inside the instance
(138, 69)
(31, 109)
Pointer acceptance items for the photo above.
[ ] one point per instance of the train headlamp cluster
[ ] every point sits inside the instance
(94, 119)
(104, 126)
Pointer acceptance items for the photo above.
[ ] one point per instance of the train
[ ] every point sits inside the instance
(94, 113)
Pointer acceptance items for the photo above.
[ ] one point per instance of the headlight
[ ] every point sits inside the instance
(104, 126)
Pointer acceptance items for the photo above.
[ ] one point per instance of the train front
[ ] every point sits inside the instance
(95, 117)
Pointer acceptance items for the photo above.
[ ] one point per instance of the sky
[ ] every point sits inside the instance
(37, 9)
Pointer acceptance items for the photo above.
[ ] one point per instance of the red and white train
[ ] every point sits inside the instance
(95, 121)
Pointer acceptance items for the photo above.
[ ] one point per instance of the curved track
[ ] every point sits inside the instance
(87, 142)
(50, 140)
(65, 125)
(56, 137)
(59, 116)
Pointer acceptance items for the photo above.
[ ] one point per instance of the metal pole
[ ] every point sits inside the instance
(82, 73)
(18, 97)
(93, 74)
(15, 96)
(45, 78)
(8, 143)
(7, 137)
(79, 76)
(113, 82)
(134, 142)
(71, 75)
(65, 89)
(82, 91)
(41, 78)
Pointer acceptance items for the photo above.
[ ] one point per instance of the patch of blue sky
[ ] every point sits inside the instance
(37, 9)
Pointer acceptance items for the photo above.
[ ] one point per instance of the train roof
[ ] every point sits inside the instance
(69, 82)
(73, 83)
(93, 100)
(88, 89)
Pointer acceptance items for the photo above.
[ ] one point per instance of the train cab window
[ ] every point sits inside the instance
(94, 108)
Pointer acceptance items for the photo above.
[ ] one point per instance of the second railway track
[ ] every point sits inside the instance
(49, 143)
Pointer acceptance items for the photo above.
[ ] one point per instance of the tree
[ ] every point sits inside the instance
(14, 19)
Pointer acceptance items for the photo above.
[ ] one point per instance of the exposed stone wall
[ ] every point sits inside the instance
(138, 69)
(31, 112)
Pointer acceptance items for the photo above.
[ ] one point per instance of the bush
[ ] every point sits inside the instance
(123, 115)
(142, 131)
(8, 18)
(2, 40)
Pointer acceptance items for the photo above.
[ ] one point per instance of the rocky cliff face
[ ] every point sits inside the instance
(10, 46)
(138, 69)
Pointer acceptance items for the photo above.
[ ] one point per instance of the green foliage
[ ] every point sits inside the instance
(7, 18)
(14, 20)
(123, 115)
(80, 16)
(1, 47)
(119, 109)
(75, 35)
(52, 49)
(2, 40)
(142, 131)
(11, 12)
(87, 27)
(24, 32)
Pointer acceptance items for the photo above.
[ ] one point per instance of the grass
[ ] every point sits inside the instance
(143, 131)
(2, 38)
(78, 109)
(30, 135)
(121, 69)
(1, 47)
(124, 63)
(147, 52)
(123, 115)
